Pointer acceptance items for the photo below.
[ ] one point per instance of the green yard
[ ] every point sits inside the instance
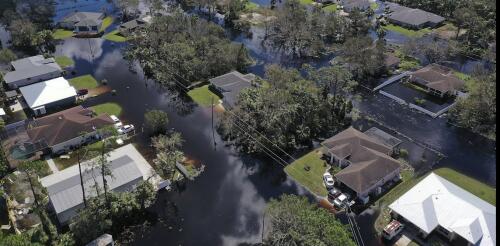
(109, 108)
(62, 34)
(305, 2)
(84, 82)
(469, 184)
(407, 32)
(64, 61)
(407, 62)
(63, 163)
(374, 6)
(203, 96)
(115, 36)
(312, 179)
(330, 8)
(251, 6)
(106, 22)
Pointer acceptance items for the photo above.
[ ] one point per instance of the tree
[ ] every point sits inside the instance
(477, 111)
(168, 153)
(31, 169)
(128, 7)
(333, 79)
(156, 121)
(7, 56)
(91, 222)
(145, 194)
(294, 221)
(291, 114)
(23, 33)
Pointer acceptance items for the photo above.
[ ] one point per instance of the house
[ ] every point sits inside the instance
(67, 129)
(31, 70)
(438, 80)
(48, 94)
(10, 96)
(436, 204)
(128, 168)
(83, 22)
(367, 163)
(350, 5)
(103, 240)
(131, 25)
(412, 18)
(230, 84)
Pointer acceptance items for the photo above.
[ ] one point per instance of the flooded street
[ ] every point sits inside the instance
(225, 204)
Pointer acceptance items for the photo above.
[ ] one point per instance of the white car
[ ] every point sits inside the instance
(340, 201)
(114, 118)
(126, 129)
(118, 125)
(328, 179)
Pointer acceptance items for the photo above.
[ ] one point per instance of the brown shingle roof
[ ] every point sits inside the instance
(367, 167)
(439, 78)
(348, 141)
(65, 125)
(369, 159)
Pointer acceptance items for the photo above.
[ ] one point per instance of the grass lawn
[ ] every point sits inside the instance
(203, 96)
(64, 61)
(330, 8)
(109, 108)
(305, 2)
(312, 179)
(374, 6)
(115, 36)
(63, 163)
(84, 82)
(407, 32)
(250, 6)
(106, 23)
(62, 34)
(469, 184)
(407, 62)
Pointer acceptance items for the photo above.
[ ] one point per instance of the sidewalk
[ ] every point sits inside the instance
(52, 165)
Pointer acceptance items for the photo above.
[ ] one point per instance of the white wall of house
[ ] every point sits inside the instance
(72, 142)
(28, 81)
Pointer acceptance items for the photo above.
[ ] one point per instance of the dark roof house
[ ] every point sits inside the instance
(132, 25)
(83, 21)
(439, 80)
(412, 18)
(369, 165)
(66, 125)
(391, 61)
(350, 5)
(31, 70)
(230, 84)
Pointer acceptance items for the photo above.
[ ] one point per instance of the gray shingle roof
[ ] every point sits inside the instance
(31, 67)
(84, 18)
(352, 4)
(414, 17)
(132, 24)
(231, 84)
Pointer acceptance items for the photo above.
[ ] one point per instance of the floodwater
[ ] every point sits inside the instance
(226, 203)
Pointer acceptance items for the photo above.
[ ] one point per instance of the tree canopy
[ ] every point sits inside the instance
(295, 221)
(292, 113)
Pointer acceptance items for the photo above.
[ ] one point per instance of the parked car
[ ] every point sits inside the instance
(333, 193)
(341, 200)
(118, 125)
(126, 129)
(392, 229)
(114, 118)
(82, 92)
(328, 179)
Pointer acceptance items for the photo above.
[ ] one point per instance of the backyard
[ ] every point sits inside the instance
(106, 22)
(330, 8)
(115, 36)
(407, 32)
(203, 96)
(62, 34)
(312, 178)
(84, 82)
(109, 108)
(64, 61)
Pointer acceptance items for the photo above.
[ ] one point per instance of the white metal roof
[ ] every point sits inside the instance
(2, 112)
(46, 92)
(436, 201)
(64, 187)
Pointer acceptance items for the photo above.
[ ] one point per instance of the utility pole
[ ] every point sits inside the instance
(213, 132)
